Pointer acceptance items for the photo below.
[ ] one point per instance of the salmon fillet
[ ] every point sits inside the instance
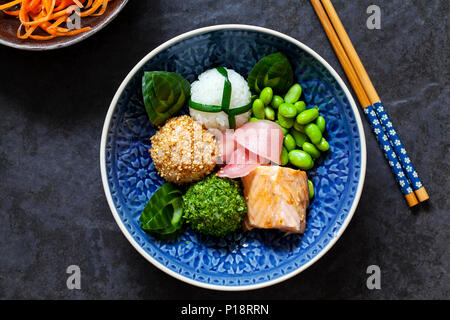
(277, 198)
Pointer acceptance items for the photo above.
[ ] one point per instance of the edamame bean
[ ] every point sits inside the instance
(300, 106)
(300, 138)
(299, 127)
(307, 116)
(266, 95)
(311, 189)
(285, 122)
(269, 113)
(289, 142)
(287, 110)
(284, 158)
(285, 131)
(253, 119)
(276, 101)
(323, 145)
(313, 132)
(258, 108)
(293, 93)
(311, 149)
(300, 159)
(320, 121)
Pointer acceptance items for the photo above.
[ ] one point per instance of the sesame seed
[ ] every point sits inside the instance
(183, 150)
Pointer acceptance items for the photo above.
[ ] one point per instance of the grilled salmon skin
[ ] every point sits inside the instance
(277, 198)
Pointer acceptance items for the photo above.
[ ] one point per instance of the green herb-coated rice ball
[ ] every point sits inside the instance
(215, 206)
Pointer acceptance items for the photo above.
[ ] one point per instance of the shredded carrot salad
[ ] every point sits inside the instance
(49, 15)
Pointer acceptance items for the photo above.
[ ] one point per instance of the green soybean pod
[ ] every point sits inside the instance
(320, 121)
(313, 132)
(300, 106)
(269, 113)
(300, 138)
(289, 142)
(311, 149)
(300, 159)
(258, 108)
(311, 189)
(276, 101)
(323, 145)
(285, 122)
(293, 94)
(266, 95)
(284, 158)
(307, 116)
(287, 110)
(299, 127)
(253, 119)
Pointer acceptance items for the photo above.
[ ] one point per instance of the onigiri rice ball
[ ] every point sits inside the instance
(208, 89)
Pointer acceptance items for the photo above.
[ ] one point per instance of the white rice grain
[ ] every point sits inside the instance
(208, 89)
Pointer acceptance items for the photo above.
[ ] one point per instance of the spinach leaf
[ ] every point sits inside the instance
(273, 71)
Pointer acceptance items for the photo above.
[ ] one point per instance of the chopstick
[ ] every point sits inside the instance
(366, 94)
(400, 150)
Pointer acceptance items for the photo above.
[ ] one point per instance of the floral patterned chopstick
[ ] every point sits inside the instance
(400, 150)
(390, 155)
(365, 95)
(405, 161)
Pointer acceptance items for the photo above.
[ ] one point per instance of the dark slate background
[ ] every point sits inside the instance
(53, 211)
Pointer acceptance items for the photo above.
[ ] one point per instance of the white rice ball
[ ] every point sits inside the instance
(208, 89)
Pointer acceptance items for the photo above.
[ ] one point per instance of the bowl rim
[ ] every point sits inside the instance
(70, 41)
(105, 134)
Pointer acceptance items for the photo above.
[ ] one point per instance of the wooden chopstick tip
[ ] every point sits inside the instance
(422, 194)
(411, 199)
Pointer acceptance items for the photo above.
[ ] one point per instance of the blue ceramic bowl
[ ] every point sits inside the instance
(252, 259)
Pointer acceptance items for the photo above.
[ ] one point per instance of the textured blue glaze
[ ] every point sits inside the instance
(252, 257)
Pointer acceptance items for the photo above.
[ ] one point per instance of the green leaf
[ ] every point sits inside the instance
(204, 107)
(163, 214)
(273, 71)
(164, 93)
(240, 110)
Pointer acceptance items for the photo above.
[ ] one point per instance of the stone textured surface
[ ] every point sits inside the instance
(53, 212)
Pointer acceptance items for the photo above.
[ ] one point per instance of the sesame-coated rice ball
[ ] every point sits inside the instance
(183, 151)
